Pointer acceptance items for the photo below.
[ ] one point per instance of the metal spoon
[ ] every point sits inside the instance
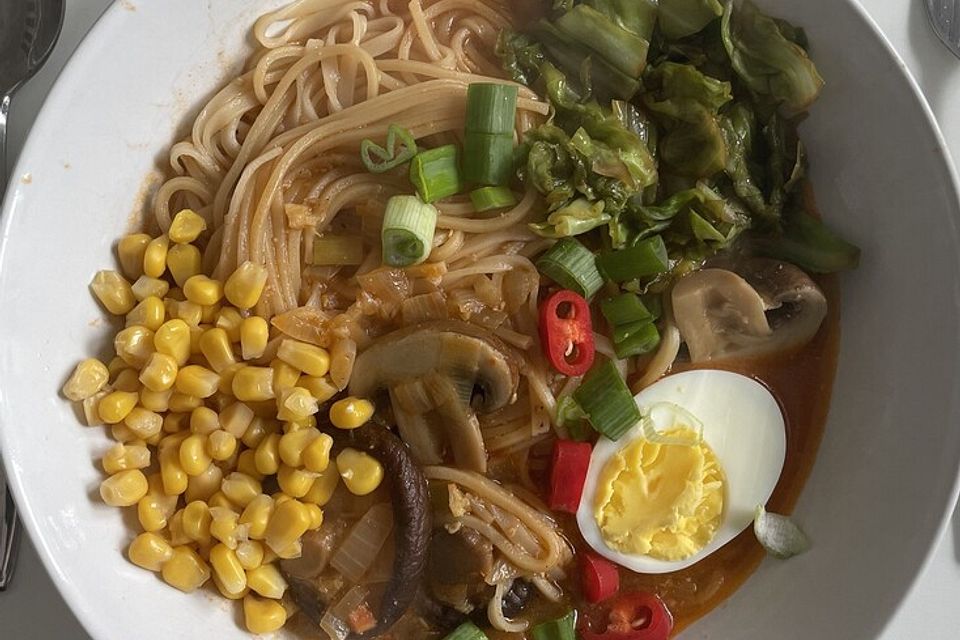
(28, 31)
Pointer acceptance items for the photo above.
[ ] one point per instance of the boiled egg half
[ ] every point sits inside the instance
(661, 497)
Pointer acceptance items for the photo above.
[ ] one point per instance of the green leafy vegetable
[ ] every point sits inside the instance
(624, 50)
(682, 18)
(636, 16)
(767, 60)
(809, 244)
(576, 217)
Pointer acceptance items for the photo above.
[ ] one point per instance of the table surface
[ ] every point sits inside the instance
(32, 609)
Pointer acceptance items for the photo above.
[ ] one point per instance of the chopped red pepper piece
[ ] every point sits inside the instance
(599, 577)
(568, 473)
(634, 616)
(567, 333)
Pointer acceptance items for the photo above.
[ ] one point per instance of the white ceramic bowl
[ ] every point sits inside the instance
(886, 472)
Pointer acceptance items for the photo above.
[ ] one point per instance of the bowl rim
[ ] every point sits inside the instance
(60, 90)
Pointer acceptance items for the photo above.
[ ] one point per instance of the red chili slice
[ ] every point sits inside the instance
(568, 474)
(634, 616)
(567, 333)
(599, 577)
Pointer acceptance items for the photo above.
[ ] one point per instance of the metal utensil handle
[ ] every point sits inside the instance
(9, 521)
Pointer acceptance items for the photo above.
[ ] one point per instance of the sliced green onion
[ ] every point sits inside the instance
(572, 266)
(654, 304)
(608, 403)
(660, 418)
(337, 250)
(625, 308)
(635, 338)
(487, 158)
(779, 535)
(572, 418)
(560, 629)
(646, 258)
(491, 108)
(407, 233)
(435, 173)
(466, 631)
(487, 198)
(378, 159)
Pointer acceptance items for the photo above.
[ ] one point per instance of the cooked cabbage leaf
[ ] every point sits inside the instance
(767, 60)
(576, 217)
(682, 18)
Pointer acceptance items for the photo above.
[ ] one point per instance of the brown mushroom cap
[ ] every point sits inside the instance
(766, 307)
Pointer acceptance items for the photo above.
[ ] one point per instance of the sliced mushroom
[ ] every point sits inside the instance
(768, 307)
(459, 366)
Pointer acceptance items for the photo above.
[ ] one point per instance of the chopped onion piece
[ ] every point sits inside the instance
(364, 542)
(778, 534)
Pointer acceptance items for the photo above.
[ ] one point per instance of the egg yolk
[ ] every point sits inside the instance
(661, 500)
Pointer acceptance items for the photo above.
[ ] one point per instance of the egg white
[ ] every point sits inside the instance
(742, 423)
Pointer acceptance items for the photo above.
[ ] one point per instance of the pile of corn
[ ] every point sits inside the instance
(199, 428)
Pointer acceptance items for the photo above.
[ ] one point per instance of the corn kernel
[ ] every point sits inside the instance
(196, 332)
(149, 551)
(307, 422)
(187, 311)
(144, 423)
(226, 566)
(127, 381)
(198, 381)
(320, 388)
(263, 616)
(279, 498)
(245, 285)
(173, 339)
(88, 378)
(226, 381)
(146, 287)
(220, 400)
(259, 429)
(115, 406)
(184, 403)
(236, 418)
(267, 581)
(91, 408)
(148, 313)
(289, 521)
(225, 527)
(229, 464)
(130, 252)
(204, 421)
(196, 521)
(124, 489)
(176, 422)
(257, 515)
(155, 257)
(250, 554)
(186, 226)
(350, 412)
(254, 335)
(202, 290)
(230, 320)
(267, 457)
(292, 445)
(116, 365)
(185, 570)
(246, 464)
(209, 313)
(222, 501)
(316, 516)
(184, 262)
(155, 508)
(323, 486)
(221, 445)
(284, 375)
(202, 486)
(174, 477)
(121, 457)
(134, 345)
(240, 488)
(122, 433)
(361, 473)
(269, 556)
(193, 455)
(251, 384)
(113, 291)
(292, 550)
(308, 358)
(316, 455)
(295, 403)
(175, 535)
(294, 482)
(229, 595)
(215, 347)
